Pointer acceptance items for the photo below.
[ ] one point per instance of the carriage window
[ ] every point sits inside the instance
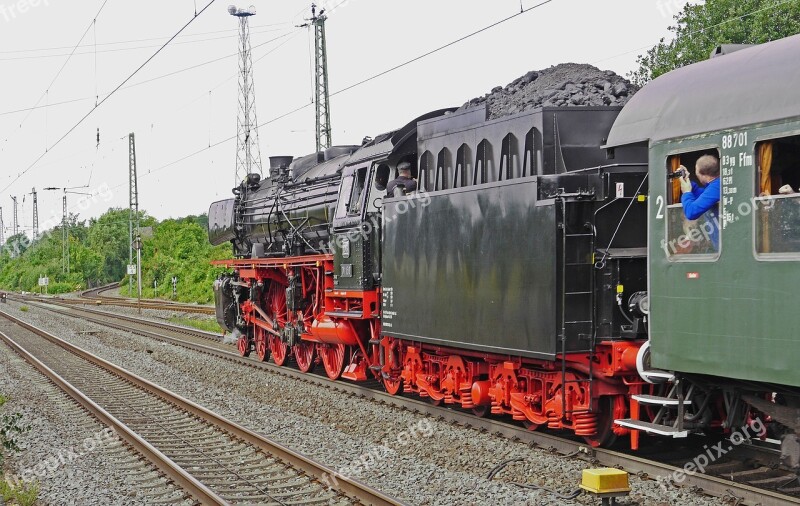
(357, 192)
(693, 231)
(777, 207)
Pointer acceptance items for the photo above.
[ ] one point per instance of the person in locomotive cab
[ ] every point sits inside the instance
(404, 182)
(702, 199)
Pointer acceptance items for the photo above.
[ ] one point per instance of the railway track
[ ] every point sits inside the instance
(213, 459)
(747, 474)
(94, 296)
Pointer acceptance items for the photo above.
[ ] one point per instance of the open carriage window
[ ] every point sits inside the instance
(777, 209)
(693, 229)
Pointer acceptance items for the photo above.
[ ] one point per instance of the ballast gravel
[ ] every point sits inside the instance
(74, 458)
(412, 457)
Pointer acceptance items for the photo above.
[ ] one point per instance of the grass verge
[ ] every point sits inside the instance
(207, 325)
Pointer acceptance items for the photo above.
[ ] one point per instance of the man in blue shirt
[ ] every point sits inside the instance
(698, 200)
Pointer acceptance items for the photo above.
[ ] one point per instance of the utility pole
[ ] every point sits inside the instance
(64, 235)
(137, 245)
(248, 151)
(321, 93)
(35, 215)
(65, 224)
(15, 223)
(133, 213)
(2, 228)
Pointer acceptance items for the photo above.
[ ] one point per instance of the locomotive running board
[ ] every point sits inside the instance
(652, 428)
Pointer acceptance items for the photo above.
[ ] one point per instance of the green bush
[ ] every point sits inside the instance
(21, 493)
(99, 255)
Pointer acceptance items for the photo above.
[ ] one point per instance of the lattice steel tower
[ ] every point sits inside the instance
(248, 151)
(133, 212)
(35, 215)
(321, 93)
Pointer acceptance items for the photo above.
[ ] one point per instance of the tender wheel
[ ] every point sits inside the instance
(304, 356)
(530, 425)
(605, 436)
(279, 350)
(243, 344)
(262, 345)
(333, 359)
(435, 402)
(482, 411)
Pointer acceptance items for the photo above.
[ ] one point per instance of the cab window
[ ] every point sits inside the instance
(777, 205)
(344, 196)
(690, 236)
(378, 192)
(357, 193)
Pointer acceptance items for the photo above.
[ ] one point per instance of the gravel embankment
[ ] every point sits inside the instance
(412, 457)
(75, 458)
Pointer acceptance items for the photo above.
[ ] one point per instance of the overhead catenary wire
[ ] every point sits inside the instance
(109, 95)
(212, 145)
(135, 48)
(297, 109)
(63, 65)
(163, 76)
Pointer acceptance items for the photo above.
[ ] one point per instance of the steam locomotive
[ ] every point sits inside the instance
(544, 268)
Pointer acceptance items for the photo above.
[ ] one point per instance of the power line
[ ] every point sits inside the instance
(109, 95)
(63, 65)
(116, 50)
(132, 41)
(293, 111)
(169, 74)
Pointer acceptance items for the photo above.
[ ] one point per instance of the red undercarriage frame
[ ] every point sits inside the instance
(341, 330)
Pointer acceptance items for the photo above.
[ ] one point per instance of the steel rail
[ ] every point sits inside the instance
(320, 472)
(634, 464)
(94, 296)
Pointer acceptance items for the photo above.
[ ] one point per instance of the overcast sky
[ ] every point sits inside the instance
(180, 114)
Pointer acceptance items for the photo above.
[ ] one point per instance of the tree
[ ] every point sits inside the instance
(700, 28)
